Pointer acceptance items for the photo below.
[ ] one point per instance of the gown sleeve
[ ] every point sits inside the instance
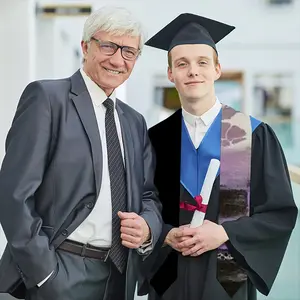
(259, 241)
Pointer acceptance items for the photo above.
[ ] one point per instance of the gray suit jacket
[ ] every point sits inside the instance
(51, 177)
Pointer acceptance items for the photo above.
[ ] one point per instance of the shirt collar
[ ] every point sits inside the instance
(207, 118)
(98, 96)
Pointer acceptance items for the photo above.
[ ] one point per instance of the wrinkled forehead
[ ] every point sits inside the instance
(120, 39)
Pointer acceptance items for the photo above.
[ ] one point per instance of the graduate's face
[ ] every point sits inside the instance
(106, 69)
(193, 70)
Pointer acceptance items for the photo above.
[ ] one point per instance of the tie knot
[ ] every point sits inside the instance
(109, 104)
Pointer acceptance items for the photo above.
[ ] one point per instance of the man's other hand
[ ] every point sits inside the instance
(134, 230)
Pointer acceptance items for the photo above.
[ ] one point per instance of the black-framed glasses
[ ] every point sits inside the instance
(110, 48)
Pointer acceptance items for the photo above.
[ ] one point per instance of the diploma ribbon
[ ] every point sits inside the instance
(199, 206)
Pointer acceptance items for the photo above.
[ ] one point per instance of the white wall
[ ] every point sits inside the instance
(17, 57)
(17, 62)
(57, 41)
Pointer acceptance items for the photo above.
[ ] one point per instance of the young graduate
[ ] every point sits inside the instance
(251, 212)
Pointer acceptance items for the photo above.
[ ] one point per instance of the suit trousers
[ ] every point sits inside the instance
(81, 278)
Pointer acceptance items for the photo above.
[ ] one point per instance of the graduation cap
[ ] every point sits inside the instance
(190, 29)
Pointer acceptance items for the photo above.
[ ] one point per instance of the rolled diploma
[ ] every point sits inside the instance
(209, 180)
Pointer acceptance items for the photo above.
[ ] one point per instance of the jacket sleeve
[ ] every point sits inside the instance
(22, 172)
(151, 205)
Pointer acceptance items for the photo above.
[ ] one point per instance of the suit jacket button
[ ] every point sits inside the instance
(90, 205)
(64, 232)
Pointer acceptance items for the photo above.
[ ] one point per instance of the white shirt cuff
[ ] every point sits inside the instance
(146, 247)
(42, 282)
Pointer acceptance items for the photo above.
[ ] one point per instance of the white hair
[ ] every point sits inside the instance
(117, 21)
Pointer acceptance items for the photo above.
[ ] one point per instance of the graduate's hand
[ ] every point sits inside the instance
(173, 239)
(134, 230)
(206, 237)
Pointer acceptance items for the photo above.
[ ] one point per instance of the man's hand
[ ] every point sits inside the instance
(206, 237)
(134, 230)
(174, 241)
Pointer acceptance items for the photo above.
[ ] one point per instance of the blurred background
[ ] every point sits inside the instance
(260, 62)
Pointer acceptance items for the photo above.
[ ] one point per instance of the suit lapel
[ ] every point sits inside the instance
(83, 103)
(174, 158)
(128, 150)
(174, 141)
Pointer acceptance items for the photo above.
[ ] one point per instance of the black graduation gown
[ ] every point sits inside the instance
(258, 243)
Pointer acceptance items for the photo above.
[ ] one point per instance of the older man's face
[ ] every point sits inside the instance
(109, 71)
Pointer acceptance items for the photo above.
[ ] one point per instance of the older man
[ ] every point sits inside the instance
(78, 214)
